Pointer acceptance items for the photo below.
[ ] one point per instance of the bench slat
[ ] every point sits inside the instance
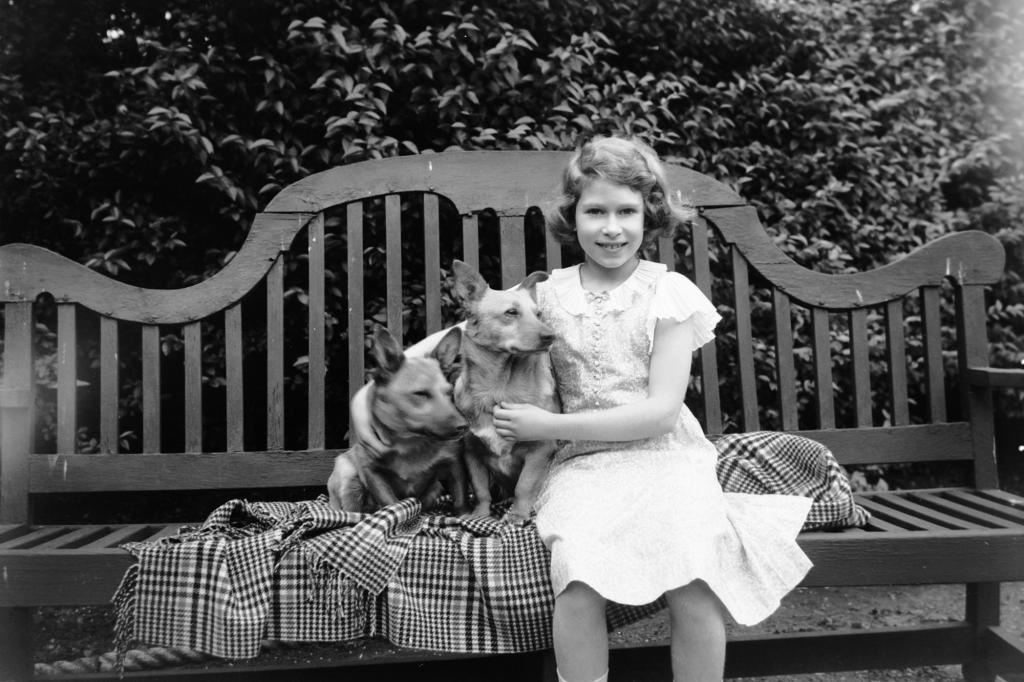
(118, 535)
(471, 241)
(744, 341)
(108, 385)
(354, 291)
(785, 371)
(193, 387)
(896, 349)
(823, 368)
(74, 537)
(913, 508)
(235, 377)
(708, 355)
(935, 382)
(552, 251)
(151, 407)
(861, 367)
(393, 264)
(970, 515)
(513, 250)
(258, 469)
(898, 517)
(275, 354)
(914, 557)
(879, 524)
(317, 359)
(165, 531)
(67, 377)
(33, 537)
(432, 261)
(978, 501)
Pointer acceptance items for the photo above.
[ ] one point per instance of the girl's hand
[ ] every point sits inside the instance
(522, 421)
(361, 423)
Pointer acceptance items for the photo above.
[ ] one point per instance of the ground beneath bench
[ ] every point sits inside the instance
(68, 634)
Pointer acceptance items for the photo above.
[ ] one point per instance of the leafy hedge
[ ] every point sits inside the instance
(141, 140)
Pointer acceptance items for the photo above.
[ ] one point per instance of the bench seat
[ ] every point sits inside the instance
(914, 536)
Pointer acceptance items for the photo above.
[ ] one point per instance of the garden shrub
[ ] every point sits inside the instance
(141, 141)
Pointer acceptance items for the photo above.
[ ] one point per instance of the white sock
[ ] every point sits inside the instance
(603, 678)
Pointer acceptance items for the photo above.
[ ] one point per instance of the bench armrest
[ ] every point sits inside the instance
(992, 377)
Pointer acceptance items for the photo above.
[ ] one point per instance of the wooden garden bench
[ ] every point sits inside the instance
(344, 247)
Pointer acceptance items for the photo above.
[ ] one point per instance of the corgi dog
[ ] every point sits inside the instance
(504, 357)
(411, 405)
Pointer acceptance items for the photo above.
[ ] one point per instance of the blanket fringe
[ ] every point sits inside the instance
(151, 658)
(124, 609)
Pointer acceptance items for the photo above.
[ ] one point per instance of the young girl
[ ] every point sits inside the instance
(632, 508)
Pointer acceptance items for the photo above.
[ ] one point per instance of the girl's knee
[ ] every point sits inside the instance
(695, 601)
(580, 597)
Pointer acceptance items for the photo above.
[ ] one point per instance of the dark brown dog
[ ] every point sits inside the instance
(504, 358)
(411, 407)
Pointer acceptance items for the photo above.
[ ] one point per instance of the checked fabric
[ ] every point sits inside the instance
(302, 571)
(764, 462)
(305, 572)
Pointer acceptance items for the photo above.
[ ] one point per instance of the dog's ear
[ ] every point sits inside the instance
(387, 353)
(529, 284)
(448, 353)
(469, 285)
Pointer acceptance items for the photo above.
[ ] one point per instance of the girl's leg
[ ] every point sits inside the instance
(698, 633)
(580, 634)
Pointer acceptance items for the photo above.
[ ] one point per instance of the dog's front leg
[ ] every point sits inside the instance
(458, 485)
(479, 477)
(535, 467)
(380, 489)
(430, 496)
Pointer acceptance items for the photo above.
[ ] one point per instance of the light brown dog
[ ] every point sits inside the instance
(411, 407)
(504, 358)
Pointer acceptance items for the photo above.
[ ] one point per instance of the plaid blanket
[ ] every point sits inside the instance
(763, 462)
(302, 571)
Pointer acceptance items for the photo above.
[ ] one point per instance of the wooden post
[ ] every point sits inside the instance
(15, 644)
(16, 413)
(976, 402)
(16, 427)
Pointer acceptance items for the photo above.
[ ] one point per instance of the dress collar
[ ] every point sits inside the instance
(565, 282)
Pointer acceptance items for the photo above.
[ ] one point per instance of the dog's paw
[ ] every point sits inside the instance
(514, 518)
(481, 511)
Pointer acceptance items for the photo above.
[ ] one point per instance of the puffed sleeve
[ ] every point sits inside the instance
(677, 298)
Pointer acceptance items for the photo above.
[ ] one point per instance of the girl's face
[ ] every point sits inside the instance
(610, 224)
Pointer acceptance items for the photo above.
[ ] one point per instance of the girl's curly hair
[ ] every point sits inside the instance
(626, 162)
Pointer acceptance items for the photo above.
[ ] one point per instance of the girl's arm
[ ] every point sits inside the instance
(654, 415)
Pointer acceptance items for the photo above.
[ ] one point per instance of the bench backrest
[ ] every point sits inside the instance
(242, 380)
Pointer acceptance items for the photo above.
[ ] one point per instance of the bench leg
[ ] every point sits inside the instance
(548, 669)
(15, 644)
(983, 612)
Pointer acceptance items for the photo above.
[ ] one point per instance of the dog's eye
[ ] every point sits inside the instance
(425, 395)
(512, 312)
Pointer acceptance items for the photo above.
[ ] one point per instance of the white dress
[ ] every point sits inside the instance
(635, 519)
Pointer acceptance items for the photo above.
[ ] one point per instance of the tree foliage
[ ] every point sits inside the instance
(141, 139)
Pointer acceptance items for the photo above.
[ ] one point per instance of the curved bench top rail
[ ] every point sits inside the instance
(27, 271)
(971, 257)
(506, 182)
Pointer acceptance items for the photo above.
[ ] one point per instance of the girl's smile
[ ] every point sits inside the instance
(610, 229)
